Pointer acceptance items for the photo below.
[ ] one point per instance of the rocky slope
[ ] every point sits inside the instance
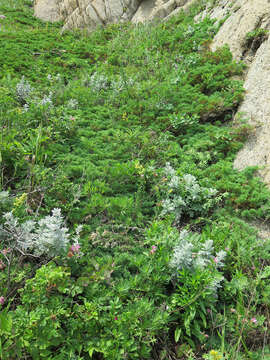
(249, 17)
(243, 17)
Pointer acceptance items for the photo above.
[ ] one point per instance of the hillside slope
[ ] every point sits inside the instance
(124, 225)
(245, 30)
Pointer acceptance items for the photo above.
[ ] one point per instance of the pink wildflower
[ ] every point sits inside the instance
(115, 318)
(75, 248)
(5, 251)
(215, 260)
(209, 311)
(2, 300)
(253, 320)
(154, 249)
(227, 249)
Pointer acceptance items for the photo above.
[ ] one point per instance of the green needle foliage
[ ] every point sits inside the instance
(128, 132)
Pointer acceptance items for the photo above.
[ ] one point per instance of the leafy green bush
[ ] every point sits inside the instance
(255, 38)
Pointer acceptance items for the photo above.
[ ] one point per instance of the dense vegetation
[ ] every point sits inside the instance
(125, 231)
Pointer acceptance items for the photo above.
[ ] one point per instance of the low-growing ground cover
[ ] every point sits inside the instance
(124, 227)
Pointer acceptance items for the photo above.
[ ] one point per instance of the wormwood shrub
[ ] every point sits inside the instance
(197, 278)
(48, 236)
(186, 198)
(29, 242)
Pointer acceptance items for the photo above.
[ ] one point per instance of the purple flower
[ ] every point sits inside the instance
(2, 16)
(2, 300)
(253, 320)
(75, 248)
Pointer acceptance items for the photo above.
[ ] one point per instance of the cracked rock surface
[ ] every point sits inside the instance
(91, 13)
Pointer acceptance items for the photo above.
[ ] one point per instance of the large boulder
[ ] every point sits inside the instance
(85, 13)
(91, 13)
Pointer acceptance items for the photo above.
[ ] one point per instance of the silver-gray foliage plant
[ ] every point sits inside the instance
(48, 236)
(23, 90)
(193, 254)
(47, 100)
(185, 196)
(97, 82)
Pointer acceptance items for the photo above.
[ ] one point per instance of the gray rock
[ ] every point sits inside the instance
(91, 13)
(47, 10)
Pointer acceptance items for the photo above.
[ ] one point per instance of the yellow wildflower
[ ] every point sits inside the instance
(20, 200)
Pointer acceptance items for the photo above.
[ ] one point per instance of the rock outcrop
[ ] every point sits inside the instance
(91, 13)
(250, 17)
